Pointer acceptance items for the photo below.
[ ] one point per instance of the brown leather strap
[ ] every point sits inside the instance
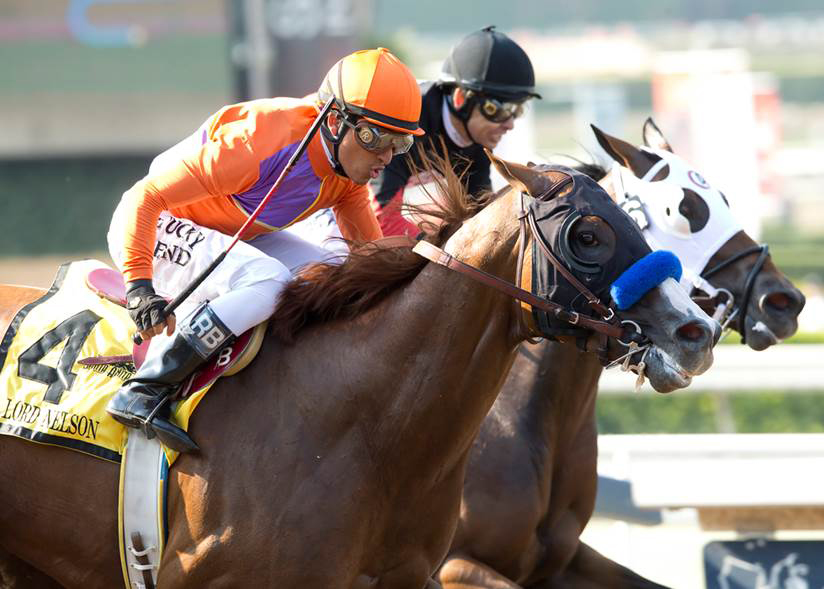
(384, 243)
(522, 238)
(142, 560)
(394, 241)
(437, 255)
(593, 301)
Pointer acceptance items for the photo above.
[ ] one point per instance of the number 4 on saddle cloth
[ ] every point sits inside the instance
(64, 355)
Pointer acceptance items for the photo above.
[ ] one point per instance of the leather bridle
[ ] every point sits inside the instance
(607, 324)
(726, 310)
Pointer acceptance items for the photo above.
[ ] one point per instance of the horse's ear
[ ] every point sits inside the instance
(653, 137)
(625, 153)
(521, 177)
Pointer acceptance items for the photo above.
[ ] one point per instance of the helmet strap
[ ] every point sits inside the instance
(465, 111)
(335, 140)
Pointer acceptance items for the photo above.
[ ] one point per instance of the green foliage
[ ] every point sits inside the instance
(778, 413)
(797, 254)
(755, 412)
(801, 337)
(655, 414)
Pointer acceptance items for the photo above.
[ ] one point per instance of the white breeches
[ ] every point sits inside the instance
(243, 289)
(322, 230)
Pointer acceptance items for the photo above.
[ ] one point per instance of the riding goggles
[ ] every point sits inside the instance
(498, 111)
(375, 139)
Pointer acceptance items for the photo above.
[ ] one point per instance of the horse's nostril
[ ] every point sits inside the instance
(693, 331)
(779, 301)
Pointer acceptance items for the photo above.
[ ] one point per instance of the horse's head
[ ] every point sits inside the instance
(589, 257)
(679, 211)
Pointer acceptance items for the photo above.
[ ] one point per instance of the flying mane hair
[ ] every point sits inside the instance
(592, 169)
(324, 292)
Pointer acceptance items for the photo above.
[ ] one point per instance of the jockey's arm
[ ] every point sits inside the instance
(355, 217)
(216, 169)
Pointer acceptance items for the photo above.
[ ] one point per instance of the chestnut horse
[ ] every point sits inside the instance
(531, 477)
(336, 459)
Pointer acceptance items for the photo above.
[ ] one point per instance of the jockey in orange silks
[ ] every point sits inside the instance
(175, 221)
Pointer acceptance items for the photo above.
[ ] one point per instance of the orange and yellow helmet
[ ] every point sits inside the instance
(375, 85)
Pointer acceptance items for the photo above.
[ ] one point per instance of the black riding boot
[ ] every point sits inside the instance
(143, 400)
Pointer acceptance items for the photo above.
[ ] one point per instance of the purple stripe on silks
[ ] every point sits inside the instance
(296, 193)
(203, 137)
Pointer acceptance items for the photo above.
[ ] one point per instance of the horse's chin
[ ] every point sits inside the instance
(759, 336)
(664, 373)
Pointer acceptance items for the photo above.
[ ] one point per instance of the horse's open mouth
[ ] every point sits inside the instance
(665, 373)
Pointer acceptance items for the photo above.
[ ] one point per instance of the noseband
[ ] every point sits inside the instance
(726, 310)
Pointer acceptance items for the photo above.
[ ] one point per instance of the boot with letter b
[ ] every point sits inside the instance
(143, 400)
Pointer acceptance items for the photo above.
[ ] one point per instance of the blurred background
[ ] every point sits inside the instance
(91, 90)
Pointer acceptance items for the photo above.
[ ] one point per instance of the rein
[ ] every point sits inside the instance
(607, 326)
(435, 254)
(727, 311)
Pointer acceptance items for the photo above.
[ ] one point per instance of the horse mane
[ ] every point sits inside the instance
(323, 292)
(592, 169)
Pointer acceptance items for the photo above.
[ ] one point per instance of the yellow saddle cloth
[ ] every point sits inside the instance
(48, 396)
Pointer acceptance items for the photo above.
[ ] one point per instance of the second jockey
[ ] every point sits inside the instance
(175, 221)
(484, 85)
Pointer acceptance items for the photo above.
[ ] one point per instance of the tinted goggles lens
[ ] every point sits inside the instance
(497, 111)
(374, 138)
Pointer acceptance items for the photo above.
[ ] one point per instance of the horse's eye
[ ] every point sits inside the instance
(587, 238)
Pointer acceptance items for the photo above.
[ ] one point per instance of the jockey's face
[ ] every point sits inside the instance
(486, 132)
(360, 164)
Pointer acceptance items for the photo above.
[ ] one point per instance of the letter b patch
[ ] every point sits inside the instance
(206, 332)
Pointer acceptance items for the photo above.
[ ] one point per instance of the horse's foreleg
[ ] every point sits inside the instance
(590, 569)
(466, 573)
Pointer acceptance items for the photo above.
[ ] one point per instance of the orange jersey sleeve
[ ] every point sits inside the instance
(355, 217)
(224, 164)
(218, 177)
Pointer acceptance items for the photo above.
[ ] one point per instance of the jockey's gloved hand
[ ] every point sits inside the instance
(145, 306)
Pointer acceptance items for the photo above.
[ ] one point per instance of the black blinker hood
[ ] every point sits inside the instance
(555, 220)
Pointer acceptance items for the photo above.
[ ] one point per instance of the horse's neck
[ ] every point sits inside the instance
(420, 370)
(551, 392)
(460, 337)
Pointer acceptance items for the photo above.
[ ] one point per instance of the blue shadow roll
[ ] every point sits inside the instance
(643, 276)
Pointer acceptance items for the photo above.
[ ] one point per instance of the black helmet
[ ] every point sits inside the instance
(490, 63)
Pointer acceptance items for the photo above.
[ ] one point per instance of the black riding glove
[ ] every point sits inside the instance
(144, 305)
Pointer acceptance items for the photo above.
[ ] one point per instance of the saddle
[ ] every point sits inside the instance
(108, 284)
(61, 358)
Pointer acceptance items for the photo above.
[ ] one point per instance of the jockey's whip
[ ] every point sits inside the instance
(175, 303)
